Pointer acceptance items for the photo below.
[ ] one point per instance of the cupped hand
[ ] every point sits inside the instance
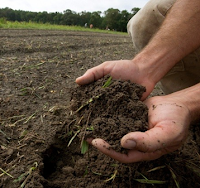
(121, 69)
(168, 120)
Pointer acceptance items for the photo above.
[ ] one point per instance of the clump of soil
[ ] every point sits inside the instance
(109, 109)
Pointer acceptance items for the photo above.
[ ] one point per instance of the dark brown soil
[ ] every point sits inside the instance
(38, 120)
(105, 111)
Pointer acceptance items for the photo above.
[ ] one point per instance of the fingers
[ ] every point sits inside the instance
(92, 75)
(132, 156)
(87, 78)
(152, 140)
(143, 146)
(105, 148)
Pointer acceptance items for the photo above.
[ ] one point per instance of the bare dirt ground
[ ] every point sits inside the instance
(37, 76)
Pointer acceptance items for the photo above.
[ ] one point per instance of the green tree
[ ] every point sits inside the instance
(96, 19)
(57, 18)
(112, 17)
(69, 17)
(135, 10)
(84, 17)
(124, 18)
(8, 13)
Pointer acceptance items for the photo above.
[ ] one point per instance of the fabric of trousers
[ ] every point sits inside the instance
(144, 25)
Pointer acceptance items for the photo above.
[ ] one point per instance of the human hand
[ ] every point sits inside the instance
(169, 121)
(121, 69)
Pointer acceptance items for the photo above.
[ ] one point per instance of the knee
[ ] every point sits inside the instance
(142, 26)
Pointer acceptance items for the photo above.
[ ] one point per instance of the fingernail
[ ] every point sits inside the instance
(130, 144)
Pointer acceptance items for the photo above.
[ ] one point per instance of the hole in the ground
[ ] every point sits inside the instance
(50, 158)
(59, 163)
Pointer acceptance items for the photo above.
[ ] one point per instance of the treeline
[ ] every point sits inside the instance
(112, 19)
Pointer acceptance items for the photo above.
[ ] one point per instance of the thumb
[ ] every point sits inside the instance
(152, 140)
(91, 75)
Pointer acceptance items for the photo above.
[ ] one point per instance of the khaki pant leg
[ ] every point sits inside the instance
(144, 25)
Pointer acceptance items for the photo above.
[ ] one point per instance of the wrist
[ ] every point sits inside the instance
(157, 65)
(190, 97)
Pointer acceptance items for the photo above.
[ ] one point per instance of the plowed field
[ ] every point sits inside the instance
(38, 69)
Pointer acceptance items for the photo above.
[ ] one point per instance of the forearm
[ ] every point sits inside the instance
(177, 37)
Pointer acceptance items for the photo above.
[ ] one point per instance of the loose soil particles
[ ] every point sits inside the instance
(41, 132)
